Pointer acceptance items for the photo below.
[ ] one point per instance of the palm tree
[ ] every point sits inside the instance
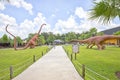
(105, 10)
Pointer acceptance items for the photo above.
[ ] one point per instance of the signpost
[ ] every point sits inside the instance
(75, 49)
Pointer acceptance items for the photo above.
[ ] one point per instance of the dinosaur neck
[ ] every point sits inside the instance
(40, 28)
(13, 36)
(15, 41)
(80, 41)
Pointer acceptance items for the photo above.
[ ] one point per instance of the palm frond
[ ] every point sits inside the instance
(105, 11)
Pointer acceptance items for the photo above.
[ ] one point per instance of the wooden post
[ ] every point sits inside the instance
(71, 57)
(67, 52)
(75, 56)
(42, 54)
(83, 71)
(11, 72)
(34, 58)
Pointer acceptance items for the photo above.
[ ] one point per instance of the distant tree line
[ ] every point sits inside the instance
(47, 38)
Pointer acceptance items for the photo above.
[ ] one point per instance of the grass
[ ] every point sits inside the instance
(105, 62)
(19, 60)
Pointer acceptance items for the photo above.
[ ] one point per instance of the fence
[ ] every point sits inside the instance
(83, 70)
(13, 70)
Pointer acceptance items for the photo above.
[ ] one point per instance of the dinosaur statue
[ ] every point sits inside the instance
(31, 42)
(97, 40)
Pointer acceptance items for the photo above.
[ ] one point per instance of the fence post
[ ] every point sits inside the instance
(67, 52)
(71, 57)
(83, 71)
(11, 72)
(75, 56)
(42, 54)
(34, 58)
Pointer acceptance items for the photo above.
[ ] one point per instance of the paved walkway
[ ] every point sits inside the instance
(55, 65)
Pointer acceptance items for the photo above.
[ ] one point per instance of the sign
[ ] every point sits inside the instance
(75, 48)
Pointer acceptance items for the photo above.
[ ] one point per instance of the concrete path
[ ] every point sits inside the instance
(55, 65)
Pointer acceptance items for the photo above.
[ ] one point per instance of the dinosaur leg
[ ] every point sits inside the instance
(32, 44)
(92, 45)
(88, 46)
(99, 46)
(103, 46)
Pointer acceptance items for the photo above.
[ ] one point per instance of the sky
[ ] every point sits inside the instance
(61, 16)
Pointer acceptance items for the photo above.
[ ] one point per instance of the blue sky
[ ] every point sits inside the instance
(61, 16)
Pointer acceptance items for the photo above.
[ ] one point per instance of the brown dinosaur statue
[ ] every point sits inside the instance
(97, 40)
(31, 42)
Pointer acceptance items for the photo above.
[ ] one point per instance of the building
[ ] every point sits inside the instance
(58, 41)
(111, 32)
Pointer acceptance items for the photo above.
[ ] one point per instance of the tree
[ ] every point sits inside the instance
(63, 37)
(51, 37)
(45, 34)
(30, 36)
(4, 39)
(105, 10)
(11, 42)
(100, 33)
(19, 41)
(82, 36)
(42, 39)
(117, 33)
(93, 32)
(57, 36)
(70, 36)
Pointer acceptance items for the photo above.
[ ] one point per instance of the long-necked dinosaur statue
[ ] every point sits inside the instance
(97, 40)
(31, 43)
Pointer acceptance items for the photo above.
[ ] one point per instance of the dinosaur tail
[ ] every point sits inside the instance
(80, 41)
(74, 40)
(15, 41)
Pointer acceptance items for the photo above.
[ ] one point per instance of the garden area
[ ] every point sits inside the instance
(18, 60)
(99, 65)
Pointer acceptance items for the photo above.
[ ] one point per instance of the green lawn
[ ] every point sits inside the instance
(19, 60)
(105, 62)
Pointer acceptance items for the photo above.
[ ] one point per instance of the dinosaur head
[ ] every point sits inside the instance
(43, 24)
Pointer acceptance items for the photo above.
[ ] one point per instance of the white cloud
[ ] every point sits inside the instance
(72, 25)
(53, 15)
(66, 26)
(2, 7)
(27, 6)
(39, 19)
(28, 26)
(84, 24)
(5, 19)
(18, 4)
(25, 28)
(80, 12)
(97, 1)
